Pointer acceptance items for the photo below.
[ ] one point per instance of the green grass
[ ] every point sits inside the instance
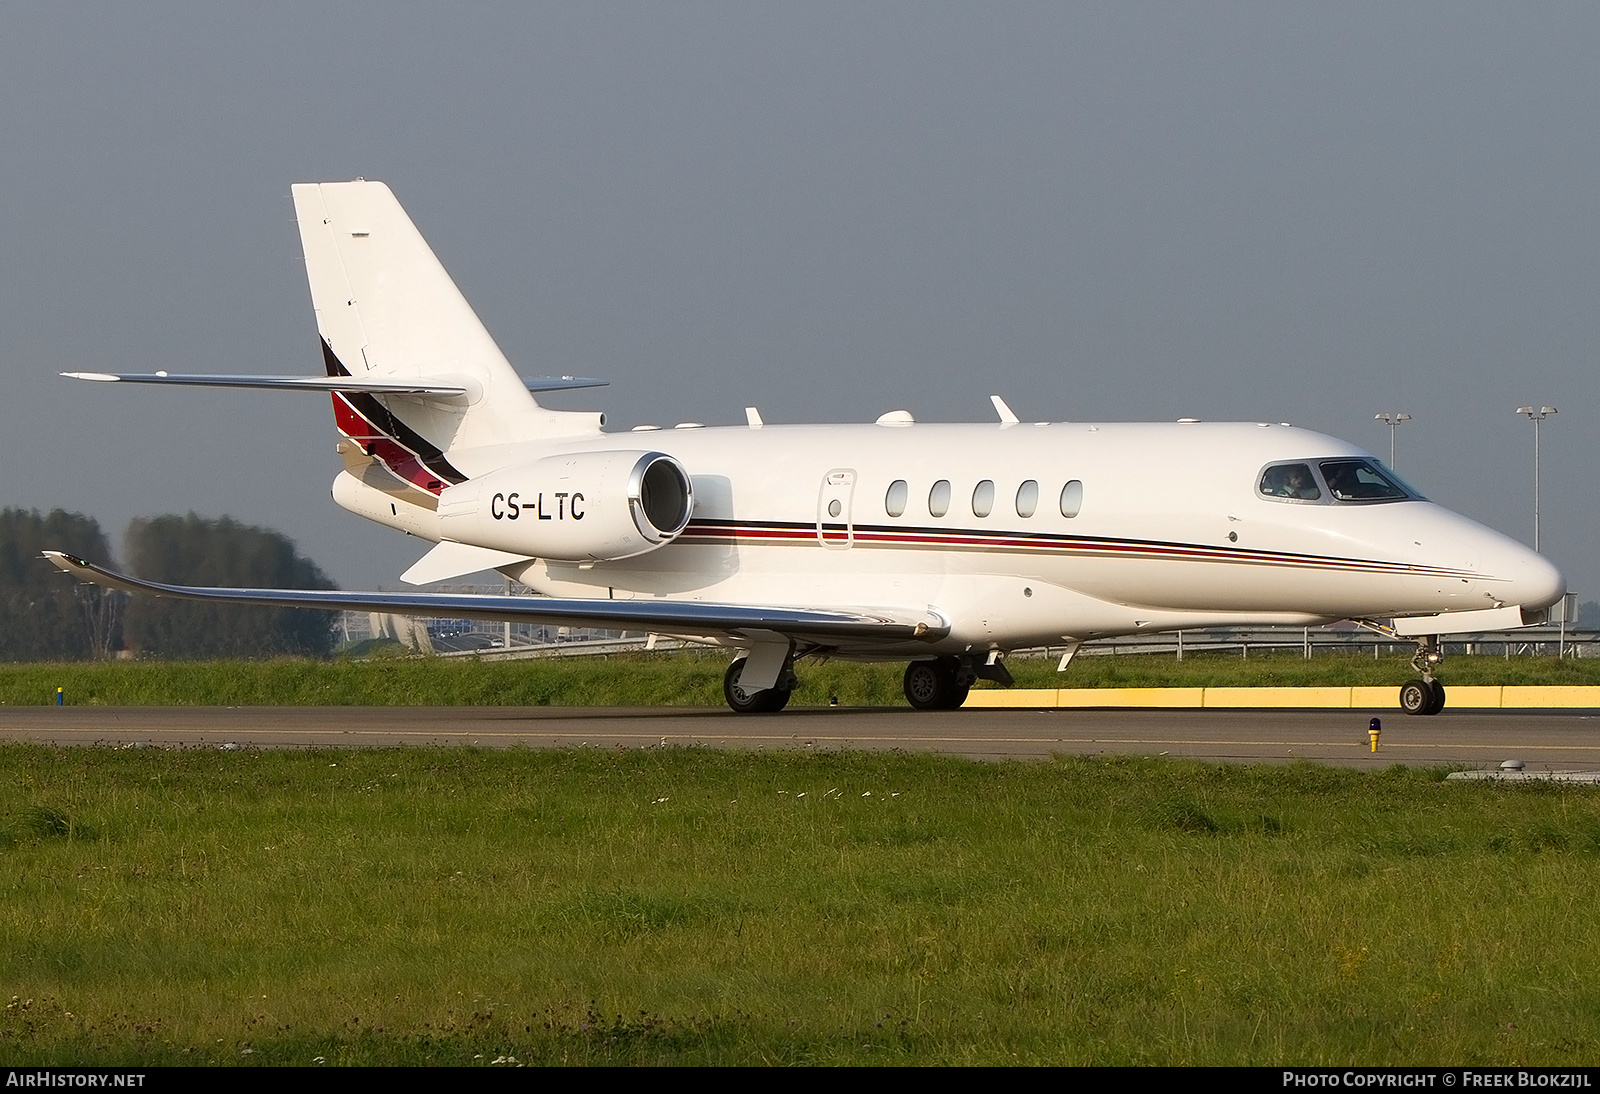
(683, 679)
(457, 906)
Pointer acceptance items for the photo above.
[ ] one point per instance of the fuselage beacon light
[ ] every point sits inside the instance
(945, 546)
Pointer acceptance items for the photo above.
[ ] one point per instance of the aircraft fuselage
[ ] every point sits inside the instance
(1166, 527)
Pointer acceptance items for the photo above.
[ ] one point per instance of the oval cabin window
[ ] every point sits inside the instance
(939, 498)
(1071, 498)
(983, 498)
(894, 502)
(1027, 498)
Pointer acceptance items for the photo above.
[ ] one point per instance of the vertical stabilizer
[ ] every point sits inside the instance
(387, 309)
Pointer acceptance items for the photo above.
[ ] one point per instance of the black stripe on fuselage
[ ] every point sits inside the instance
(381, 419)
(930, 537)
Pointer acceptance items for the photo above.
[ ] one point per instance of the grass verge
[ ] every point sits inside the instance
(683, 679)
(681, 906)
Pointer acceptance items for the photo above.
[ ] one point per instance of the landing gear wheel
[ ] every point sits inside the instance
(1422, 697)
(740, 701)
(931, 685)
(1438, 697)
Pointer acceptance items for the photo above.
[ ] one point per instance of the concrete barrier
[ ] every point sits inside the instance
(1571, 695)
(1384, 697)
(1282, 697)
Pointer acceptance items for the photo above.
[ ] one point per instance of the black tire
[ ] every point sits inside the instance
(1437, 703)
(931, 685)
(1416, 697)
(926, 686)
(768, 701)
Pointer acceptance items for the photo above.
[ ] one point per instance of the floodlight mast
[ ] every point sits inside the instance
(1392, 419)
(1536, 416)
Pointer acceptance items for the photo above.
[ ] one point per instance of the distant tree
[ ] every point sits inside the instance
(194, 551)
(44, 614)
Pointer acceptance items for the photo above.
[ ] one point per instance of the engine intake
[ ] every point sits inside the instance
(579, 507)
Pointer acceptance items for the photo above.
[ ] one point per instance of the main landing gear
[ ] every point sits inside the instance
(1424, 695)
(941, 684)
(938, 684)
(767, 701)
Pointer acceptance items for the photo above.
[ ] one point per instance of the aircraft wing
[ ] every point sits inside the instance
(684, 618)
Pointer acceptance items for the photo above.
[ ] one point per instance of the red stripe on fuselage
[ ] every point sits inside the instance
(797, 535)
(401, 462)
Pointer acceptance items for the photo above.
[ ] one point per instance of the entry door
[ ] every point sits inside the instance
(834, 527)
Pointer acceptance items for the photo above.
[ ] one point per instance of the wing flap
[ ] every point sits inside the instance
(679, 618)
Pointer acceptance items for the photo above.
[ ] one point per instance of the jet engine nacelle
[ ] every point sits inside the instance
(581, 507)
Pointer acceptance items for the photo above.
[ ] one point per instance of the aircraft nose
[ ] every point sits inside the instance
(1535, 581)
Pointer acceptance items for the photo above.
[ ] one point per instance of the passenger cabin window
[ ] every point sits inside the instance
(983, 498)
(894, 502)
(1071, 498)
(1290, 480)
(939, 498)
(1027, 498)
(1360, 480)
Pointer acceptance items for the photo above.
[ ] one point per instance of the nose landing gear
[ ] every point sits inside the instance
(1426, 695)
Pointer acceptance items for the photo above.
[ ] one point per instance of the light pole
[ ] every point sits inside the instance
(1392, 420)
(1536, 416)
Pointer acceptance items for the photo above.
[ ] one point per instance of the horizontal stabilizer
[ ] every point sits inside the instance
(279, 383)
(683, 618)
(326, 383)
(560, 383)
(448, 560)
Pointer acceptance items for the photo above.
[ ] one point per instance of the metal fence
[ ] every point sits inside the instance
(466, 637)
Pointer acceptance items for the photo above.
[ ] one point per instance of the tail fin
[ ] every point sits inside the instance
(387, 310)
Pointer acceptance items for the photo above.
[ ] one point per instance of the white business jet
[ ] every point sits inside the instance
(946, 546)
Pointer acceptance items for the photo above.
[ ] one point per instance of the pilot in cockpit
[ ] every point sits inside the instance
(1298, 483)
(1291, 481)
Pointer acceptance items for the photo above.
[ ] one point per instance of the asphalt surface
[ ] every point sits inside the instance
(1544, 740)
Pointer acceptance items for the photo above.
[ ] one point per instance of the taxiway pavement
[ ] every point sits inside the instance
(1544, 740)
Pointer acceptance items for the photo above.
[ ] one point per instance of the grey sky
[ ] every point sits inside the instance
(1301, 213)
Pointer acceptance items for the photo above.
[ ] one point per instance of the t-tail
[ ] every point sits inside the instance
(387, 311)
(422, 396)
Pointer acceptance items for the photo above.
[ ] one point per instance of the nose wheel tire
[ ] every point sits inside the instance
(931, 685)
(1422, 697)
(740, 701)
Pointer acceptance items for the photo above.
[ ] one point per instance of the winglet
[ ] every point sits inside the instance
(1007, 416)
(752, 417)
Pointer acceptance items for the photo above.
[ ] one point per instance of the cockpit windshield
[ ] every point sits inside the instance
(1360, 480)
(1340, 480)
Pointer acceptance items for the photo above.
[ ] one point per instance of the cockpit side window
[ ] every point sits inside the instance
(1361, 480)
(1290, 480)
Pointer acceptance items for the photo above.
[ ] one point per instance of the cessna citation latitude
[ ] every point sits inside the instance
(945, 546)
